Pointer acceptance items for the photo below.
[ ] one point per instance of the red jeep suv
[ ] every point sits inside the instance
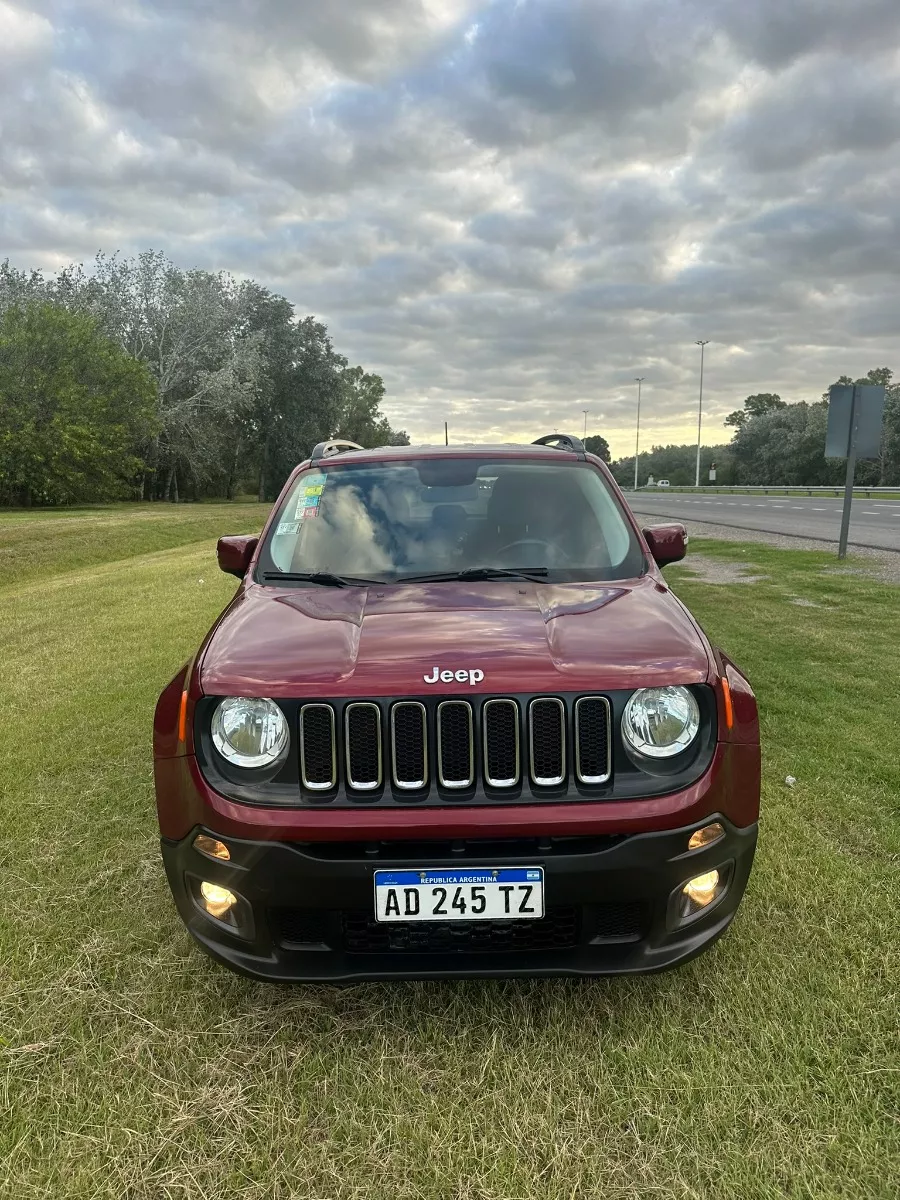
(454, 722)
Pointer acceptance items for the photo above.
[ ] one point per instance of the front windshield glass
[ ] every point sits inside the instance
(406, 519)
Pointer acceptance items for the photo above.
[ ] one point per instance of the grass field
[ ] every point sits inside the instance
(135, 1069)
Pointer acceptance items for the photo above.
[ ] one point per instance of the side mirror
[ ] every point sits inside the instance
(668, 543)
(234, 554)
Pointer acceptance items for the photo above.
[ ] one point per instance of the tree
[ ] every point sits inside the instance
(73, 406)
(886, 470)
(190, 328)
(244, 389)
(675, 463)
(595, 444)
(755, 406)
(360, 417)
(785, 447)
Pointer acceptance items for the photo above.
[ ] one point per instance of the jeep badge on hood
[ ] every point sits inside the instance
(439, 676)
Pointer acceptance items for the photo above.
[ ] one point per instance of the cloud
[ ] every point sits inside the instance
(509, 208)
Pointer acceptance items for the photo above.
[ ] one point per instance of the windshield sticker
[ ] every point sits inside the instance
(288, 527)
(309, 495)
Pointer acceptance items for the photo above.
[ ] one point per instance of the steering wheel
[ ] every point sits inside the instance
(547, 549)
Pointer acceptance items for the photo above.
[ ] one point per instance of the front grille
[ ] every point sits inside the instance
(301, 926)
(363, 732)
(409, 745)
(500, 721)
(617, 921)
(355, 931)
(435, 751)
(456, 753)
(362, 934)
(592, 742)
(547, 731)
(318, 767)
(461, 851)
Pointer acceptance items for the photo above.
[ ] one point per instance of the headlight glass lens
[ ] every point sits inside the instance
(249, 732)
(660, 722)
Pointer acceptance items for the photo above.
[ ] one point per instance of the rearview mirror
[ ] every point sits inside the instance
(235, 553)
(668, 543)
(448, 472)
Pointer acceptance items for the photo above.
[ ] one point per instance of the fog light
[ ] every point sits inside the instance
(701, 837)
(218, 901)
(211, 847)
(701, 889)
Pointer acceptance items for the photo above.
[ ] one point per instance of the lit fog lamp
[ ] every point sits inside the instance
(702, 889)
(218, 901)
(706, 836)
(212, 847)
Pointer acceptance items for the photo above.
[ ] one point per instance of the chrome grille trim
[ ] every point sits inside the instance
(364, 785)
(582, 778)
(446, 706)
(317, 787)
(489, 707)
(409, 785)
(547, 780)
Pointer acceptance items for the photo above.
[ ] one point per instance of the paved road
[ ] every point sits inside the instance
(872, 522)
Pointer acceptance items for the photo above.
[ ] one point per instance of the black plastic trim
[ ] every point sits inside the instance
(636, 870)
(628, 781)
(562, 441)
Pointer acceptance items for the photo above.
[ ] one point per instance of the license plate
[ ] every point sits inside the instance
(460, 894)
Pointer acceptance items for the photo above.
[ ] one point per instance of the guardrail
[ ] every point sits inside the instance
(795, 490)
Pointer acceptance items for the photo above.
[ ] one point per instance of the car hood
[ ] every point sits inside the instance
(522, 637)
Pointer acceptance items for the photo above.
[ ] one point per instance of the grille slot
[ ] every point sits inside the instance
(622, 921)
(363, 736)
(547, 734)
(301, 926)
(318, 766)
(455, 749)
(409, 745)
(500, 722)
(592, 742)
(558, 930)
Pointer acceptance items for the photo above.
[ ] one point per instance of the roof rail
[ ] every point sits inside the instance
(329, 449)
(561, 441)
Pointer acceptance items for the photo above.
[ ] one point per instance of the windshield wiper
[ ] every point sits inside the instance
(475, 573)
(325, 578)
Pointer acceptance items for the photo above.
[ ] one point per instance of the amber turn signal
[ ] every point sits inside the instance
(701, 837)
(211, 847)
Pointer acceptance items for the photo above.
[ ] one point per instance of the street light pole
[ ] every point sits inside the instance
(639, 379)
(702, 346)
(585, 411)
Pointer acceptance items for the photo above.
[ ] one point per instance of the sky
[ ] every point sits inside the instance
(509, 209)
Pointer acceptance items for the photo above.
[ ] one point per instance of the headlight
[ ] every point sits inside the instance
(660, 722)
(249, 733)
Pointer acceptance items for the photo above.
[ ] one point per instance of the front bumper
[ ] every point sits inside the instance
(307, 908)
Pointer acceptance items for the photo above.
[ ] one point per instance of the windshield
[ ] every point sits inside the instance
(399, 520)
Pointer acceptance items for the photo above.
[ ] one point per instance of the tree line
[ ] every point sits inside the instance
(777, 444)
(138, 379)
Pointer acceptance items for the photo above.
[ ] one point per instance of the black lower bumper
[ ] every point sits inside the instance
(612, 906)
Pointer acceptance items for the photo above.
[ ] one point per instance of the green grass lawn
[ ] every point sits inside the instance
(133, 1067)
